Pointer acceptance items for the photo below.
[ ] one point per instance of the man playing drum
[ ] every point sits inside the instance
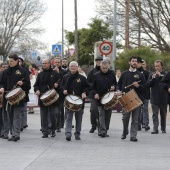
(74, 84)
(104, 82)
(15, 76)
(47, 80)
(131, 79)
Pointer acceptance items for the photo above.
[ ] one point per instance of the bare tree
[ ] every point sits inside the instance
(149, 21)
(19, 22)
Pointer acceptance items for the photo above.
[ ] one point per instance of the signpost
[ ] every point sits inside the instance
(105, 48)
(56, 49)
(71, 52)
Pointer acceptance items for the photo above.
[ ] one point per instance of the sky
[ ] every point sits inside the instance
(52, 19)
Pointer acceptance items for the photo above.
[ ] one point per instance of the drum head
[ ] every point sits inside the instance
(48, 93)
(74, 99)
(107, 97)
(13, 92)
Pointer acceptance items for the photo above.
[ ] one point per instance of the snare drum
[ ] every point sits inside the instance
(130, 101)
(15, 96)
(49, 97)
(73, 102)
(109, 100)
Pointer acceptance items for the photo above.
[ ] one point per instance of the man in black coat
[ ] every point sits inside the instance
(12, 77)
(47, 80)
(24, 123)
(60, 114)
(104, 81)
(136, 80)
(94, 113)
(74, 84)
(158, 97)
(4, 120)
(143, 119)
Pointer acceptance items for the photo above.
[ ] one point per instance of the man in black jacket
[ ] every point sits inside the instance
(47, 80)
(104, 81)
(60, 115)
(143, 119)
(12, 77)
(158, 97)
(75, 84)
(94, 113)
(24, 123)
(137, 81)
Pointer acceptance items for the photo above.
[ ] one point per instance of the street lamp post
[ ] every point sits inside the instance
(76, 31)
(62, 29)
(114, 35)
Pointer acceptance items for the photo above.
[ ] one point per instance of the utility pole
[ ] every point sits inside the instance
(62, 29)
(114, 35)
(76, 31)
(127, 2)
(139, 25)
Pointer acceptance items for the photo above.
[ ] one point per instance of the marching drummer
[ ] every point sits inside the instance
(104, 81)
(47, 80)
(131, 79)
(75, 84)
(14, 76)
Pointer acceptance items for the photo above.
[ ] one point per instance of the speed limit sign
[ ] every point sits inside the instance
(105, 48)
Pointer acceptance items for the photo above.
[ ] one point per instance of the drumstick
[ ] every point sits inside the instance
(131, 84)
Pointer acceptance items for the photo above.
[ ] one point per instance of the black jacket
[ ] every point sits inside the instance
(102, 83)
(45, 81)
(158, 92)
(11, 76)
(75, 84)
(90, 76)
(127, 78)
(147, 88)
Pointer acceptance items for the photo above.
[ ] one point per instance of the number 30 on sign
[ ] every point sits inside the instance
(105, 48)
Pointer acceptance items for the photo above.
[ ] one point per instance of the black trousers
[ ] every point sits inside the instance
(1, 121)
(51, 112)
(94, 113)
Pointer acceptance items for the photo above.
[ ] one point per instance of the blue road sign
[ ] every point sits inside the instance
(56, 49)
(34, 55)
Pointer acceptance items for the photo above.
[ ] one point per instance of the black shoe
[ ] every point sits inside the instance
(58, 130)
(68, 138)
(16, 138)
(155, 132)
(11, 138)
(163, 131)
(92, 130)
(25, 126)
(72, 126)
(147, 127)
(133, 139)
(5, 137)
(53, 134)
(21, 129)
(77, 137)
(44, 135)
(104, 135)
(123, 136)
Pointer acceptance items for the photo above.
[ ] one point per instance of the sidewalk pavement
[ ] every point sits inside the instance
(151, 152)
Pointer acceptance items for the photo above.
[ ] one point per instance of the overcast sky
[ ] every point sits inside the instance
(52, 19)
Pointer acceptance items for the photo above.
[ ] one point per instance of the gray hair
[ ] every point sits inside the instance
(104, 62)
(74, 62)
(107, 59)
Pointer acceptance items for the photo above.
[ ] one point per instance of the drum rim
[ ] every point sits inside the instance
(104, 95)
(76, 96)
(20, 89)
(51, 90)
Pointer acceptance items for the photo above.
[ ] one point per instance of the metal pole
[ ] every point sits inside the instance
(62, 29)
(127, 2)
(114, 35)
(76, 31)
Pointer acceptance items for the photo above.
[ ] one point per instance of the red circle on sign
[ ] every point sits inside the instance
(105, 48)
